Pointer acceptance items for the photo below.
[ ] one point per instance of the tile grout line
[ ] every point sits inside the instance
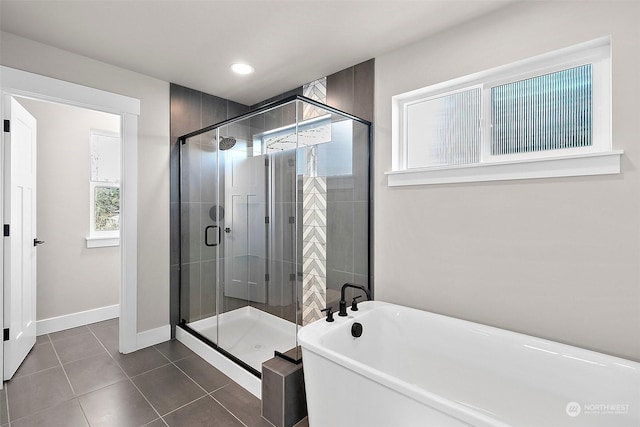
(62, 366)
(186, 404)
(83, 412)
(147, 400)
(179, 369)
(140, 391)
(137, 388)
(129, 378)
(153, 421)
(82, 358)
(67, 377)
(234, 415)
(119, 366)
(205, 391)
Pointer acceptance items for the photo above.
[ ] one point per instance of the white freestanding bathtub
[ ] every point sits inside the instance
(415, 368)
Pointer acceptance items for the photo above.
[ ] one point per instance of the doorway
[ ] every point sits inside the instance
(17, 83)
(78, 187)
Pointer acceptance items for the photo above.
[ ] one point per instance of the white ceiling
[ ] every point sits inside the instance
(192, 43)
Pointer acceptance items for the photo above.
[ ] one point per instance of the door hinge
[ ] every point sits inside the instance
(292, 220)
(7, 126)
(266, 277)
(292, 277)
(7, 230)
(266, 161)
(266, 220)
(6, 334)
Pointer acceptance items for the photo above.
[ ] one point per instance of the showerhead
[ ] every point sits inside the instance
(226, 143)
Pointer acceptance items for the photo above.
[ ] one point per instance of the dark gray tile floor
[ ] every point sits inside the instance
(78, 378)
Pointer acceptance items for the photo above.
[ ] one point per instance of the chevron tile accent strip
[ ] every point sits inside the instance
(314, 218)
(312, 283)
(314, 201)
(314, 254)
(314, 266)
(316, 90)
(314, 303)
(314, 250)
(311, 234)
(314, 186)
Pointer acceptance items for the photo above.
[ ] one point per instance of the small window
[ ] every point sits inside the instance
(513, 122)
(104, 194)
(544, 113)
(444, 130)
(106, 207)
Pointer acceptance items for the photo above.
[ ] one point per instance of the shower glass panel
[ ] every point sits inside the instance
(275, 218)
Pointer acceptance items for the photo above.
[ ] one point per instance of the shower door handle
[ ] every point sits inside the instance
(206, 235)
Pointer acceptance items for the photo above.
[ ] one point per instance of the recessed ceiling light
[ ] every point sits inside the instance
(239, 68)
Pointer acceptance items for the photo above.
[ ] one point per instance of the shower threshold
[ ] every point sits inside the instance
(249, 334)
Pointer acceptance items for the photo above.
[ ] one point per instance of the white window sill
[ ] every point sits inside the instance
(579, 165)
(102, 242)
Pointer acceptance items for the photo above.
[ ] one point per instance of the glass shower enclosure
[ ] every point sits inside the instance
(274, 219)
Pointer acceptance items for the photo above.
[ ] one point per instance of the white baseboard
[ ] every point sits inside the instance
(153, 336)
(73, 320)
(248, 381)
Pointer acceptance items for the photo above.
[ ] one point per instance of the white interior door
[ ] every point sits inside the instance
(20, 245)
(245, 228)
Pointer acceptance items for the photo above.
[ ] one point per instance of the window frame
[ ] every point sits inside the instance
(596, 52)
(100, 238)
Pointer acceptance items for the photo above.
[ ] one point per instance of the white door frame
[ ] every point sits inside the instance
(20, 83)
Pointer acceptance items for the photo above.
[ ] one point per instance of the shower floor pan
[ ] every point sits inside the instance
(249, 334)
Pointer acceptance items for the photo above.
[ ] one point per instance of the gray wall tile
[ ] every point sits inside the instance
(190, 282)
(340, 90)
(191, 172)
(192, 232)
(174, 254)
(360, 238)
(340, 236)
(363, 89)
(186, 110)
(214, 110)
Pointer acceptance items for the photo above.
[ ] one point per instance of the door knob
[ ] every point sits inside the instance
(37, 242)
(227, 230)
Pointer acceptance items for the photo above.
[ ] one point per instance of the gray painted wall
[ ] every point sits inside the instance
(71, 278)
(553, 258)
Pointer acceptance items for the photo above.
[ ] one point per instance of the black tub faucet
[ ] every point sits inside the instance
(343, 303)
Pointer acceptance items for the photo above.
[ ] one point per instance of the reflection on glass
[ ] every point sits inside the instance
(294, 197)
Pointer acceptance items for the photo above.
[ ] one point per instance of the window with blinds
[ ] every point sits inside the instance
(557, 105)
